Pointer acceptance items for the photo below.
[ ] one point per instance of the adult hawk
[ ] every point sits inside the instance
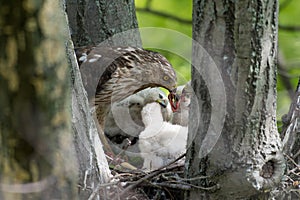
(110, 74)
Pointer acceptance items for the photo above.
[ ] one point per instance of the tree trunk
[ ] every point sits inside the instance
(241, 38)
(93, 166)
(92, 22)
(95, 21)
(36, 156)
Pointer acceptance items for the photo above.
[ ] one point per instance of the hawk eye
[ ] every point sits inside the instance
(166, 78)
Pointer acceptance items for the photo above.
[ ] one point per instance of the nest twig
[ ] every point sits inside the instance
(137, 184)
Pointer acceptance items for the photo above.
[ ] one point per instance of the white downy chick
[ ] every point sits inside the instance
(125, 120)
(156, 95)
(161, 142)
(125, 116)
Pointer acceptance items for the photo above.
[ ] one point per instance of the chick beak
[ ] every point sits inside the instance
(174, 100)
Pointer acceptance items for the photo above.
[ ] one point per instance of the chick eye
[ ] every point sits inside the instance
(166, 78)
(160, 96)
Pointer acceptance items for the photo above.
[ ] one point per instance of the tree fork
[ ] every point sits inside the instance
(92, 22)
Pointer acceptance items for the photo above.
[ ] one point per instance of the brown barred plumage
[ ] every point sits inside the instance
(110, 74)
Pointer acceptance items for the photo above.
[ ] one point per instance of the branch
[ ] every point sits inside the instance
(149, 176)
(289, 28)
(186, 186)
(177, 186)
(99, 186)
(291, 126)
(162, 14)
(149, 10)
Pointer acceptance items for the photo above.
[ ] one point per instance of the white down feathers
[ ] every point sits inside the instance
(161, 142)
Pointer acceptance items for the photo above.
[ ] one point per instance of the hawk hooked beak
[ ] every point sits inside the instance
(174, 100)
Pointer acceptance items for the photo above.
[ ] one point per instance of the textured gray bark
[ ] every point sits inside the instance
(92, 22)
(95, 21)
(93, 166)
(241, 38)
(37, 158)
